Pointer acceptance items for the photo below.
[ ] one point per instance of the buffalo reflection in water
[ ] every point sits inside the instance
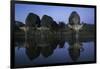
(46, 44)
(74, 50)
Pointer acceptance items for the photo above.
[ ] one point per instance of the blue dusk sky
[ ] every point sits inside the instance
(58, 13)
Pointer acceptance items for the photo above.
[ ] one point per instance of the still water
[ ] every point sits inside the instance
(62, 53)
(41, 48)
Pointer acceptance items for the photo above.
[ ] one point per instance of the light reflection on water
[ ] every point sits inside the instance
(40, 48)
(59, 55)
